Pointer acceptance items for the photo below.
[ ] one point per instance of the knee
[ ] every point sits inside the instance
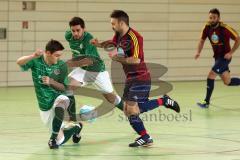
(72, 87)
(226, 83)
(131, 109)
(62, 101)
(130, 113)
(212, 75)
(127, 111)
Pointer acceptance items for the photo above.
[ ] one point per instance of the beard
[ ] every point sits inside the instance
(116, 32)
(214, 24)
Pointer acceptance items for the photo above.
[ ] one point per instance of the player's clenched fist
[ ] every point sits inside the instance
(38, 53)
(113, 53)
(94, 41)
(197, 55)
(46, 80)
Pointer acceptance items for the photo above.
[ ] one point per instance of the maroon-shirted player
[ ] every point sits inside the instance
(219, 35)
(129, 52)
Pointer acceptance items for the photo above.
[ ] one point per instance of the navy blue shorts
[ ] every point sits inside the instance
(221, 65)
(137, 91)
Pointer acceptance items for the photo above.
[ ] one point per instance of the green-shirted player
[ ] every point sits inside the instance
(49, 75)
(90, 69)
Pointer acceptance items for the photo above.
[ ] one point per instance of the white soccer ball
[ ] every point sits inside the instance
(88, 113)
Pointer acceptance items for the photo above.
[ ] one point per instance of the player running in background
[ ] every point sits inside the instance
(49, 74)
(91, 68)
(130, 54)
(219, 35)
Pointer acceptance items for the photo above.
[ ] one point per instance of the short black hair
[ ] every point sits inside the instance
(215, 11)
(77, 21)
(53, 46)
(120, 15)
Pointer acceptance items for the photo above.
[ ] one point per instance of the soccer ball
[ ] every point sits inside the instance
(88, 113)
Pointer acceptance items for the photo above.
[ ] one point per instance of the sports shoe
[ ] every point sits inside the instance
(171, 104)
(144, 141)
(52, 143)
(77, 137)
(203, 104)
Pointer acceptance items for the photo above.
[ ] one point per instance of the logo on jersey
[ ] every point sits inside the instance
(120, 52)
(214, 38)
(81, 46)
(56, 71)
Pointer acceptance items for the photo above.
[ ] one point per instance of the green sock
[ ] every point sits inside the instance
(120, 105)
(57, 121)
(69, 132)
(72, 109)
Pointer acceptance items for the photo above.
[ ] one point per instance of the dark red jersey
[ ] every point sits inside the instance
(219, 38)
(131, 45)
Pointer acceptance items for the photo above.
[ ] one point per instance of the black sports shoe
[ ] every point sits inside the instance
(203, 104)
(170, 103)
(144, 141)
(52, 143)
(77, 137)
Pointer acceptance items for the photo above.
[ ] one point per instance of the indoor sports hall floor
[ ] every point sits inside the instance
(196, 133)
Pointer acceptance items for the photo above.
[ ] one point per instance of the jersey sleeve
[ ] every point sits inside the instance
(90, 50)
(68, 35)
(68, 38)
(231, 32)
(136, 46)
(27, 66)
(92, 53)
(64, 75)
(204, 33)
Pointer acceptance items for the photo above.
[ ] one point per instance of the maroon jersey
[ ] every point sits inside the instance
(131, 45)
(219, 38)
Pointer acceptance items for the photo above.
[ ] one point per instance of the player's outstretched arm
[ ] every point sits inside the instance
(129, 60)
(103, 44)
(96, 43)
(24, 59)
(79, 63)
(199, 48)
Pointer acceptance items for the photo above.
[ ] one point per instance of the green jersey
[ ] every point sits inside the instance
(46, 95)
(83, 47)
